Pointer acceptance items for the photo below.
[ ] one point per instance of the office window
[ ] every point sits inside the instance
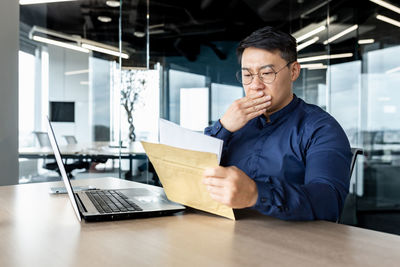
(26, 94)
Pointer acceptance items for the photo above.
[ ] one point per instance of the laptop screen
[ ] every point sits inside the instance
(60, 164)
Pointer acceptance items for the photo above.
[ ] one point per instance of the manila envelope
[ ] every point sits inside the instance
(181, 174)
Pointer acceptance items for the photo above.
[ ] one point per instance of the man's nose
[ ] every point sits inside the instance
(256, 84)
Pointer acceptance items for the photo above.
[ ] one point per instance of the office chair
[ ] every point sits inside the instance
(44, 141)
(356, 152)
(71, 140)
(80, 164)
(349, 212)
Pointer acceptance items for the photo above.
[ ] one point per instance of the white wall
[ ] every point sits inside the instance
(9, 36)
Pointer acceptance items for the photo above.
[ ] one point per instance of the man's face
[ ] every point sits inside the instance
(256, 60)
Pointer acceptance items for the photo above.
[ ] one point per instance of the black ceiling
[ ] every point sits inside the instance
(177, 24)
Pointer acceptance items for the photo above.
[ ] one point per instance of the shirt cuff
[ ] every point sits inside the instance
(264, 196)
(220, 132)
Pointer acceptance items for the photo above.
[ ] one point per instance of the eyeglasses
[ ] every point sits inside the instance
(265, 74)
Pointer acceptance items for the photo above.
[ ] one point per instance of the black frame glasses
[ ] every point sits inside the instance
(265, 77)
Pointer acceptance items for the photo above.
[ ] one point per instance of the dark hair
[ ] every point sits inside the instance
(270, 39)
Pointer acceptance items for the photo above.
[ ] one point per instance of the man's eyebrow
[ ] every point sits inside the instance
(265, 66)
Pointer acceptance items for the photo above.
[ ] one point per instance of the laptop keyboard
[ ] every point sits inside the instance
(111, 201)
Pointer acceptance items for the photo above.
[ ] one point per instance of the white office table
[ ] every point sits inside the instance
(93, 151)
(38, 229)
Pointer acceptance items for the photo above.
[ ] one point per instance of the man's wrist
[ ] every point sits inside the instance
(223, 124)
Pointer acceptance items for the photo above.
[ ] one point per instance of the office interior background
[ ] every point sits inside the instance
(83, 63)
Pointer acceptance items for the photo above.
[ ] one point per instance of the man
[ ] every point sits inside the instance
(281, 156)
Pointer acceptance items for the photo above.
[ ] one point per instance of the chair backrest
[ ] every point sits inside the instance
(356, 152)
(349, 213)
(43, 139)
(71, 140)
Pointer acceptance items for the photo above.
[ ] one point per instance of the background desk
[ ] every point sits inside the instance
(93, 151)
(38, 229)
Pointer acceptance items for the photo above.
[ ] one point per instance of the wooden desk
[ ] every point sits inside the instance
(38, 229)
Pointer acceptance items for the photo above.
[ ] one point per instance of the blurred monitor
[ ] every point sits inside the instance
(62, 111)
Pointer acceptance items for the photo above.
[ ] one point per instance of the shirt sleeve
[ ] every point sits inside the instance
(327, 167)
(218, 131)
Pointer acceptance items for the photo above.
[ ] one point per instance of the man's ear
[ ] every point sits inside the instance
(295, 71)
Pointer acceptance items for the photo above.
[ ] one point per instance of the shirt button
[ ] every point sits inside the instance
(263, 199)
(218, 127)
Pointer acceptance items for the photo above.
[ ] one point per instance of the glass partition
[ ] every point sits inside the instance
(357, 85)
(68, 62)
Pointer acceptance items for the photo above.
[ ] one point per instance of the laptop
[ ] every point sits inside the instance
(104, 205)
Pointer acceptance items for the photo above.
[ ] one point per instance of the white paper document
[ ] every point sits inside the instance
(172, 134)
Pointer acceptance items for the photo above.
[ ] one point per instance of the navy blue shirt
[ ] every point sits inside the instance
(300, 161)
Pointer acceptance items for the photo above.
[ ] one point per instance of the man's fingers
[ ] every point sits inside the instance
(251, 102)
(219, 198)
(217, 182)
(215, 172)
(215, 190)
(257, 108)
(255, 95)
(251, 97)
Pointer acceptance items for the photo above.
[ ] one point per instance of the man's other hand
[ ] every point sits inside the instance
(245, 109)
(230, 186)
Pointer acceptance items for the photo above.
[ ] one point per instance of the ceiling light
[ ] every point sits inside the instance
(32, 2)
(58, 43)
(306, 66)
(81, 44)
(387, 5)
(75, 72)
(139, 34)
(366, 41)
(393, 70)
(84, 82)
(323, 57)
(388, 20)
(311, 33)
(305, 44)
(112, 3)
(105, 50)
(340, 34)
(313, 29)
(318, 68)
(104, 19)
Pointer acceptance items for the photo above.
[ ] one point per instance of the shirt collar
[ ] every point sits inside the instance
(280, 113)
